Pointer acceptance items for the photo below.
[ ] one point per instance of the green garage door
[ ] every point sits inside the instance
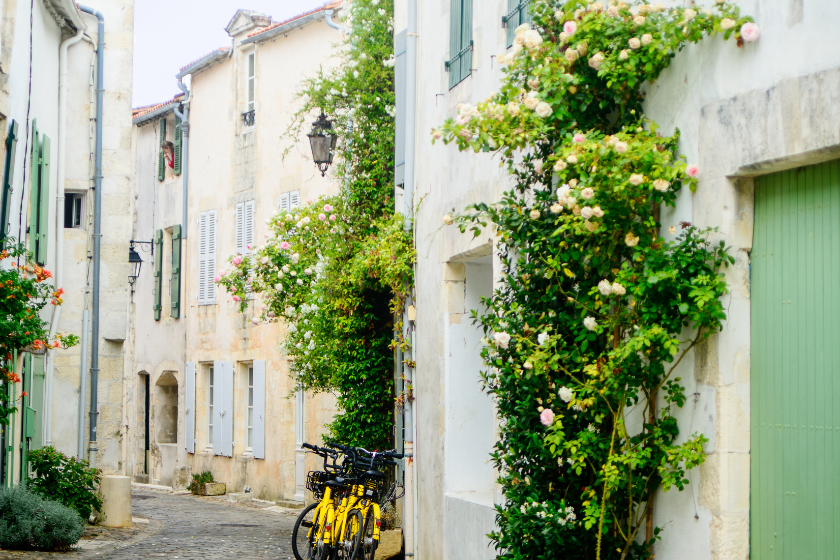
(795, 371)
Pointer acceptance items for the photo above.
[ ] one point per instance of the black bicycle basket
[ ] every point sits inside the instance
(315, 481)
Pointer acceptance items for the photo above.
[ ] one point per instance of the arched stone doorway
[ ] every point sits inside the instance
(166, 408)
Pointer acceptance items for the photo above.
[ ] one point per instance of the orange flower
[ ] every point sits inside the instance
(56, 344)
(38, 344)
(23, 394)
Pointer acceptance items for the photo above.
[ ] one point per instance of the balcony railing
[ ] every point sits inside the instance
(249, 117)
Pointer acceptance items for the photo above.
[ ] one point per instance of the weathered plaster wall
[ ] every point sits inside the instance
(742, 112)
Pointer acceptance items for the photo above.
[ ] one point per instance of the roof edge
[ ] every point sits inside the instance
(204, 62)
(156, 113)
(68, 10)
(287, 27)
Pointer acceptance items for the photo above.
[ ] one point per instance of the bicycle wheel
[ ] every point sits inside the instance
(305, 534)
(351, 541)
(368, 549)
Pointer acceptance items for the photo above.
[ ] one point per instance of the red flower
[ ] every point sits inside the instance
(23, 394)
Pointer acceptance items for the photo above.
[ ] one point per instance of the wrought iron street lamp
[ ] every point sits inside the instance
(135, 261)
(322, 140)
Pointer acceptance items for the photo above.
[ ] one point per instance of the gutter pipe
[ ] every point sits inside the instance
(328, 18)
(97, 231)
(59, 218)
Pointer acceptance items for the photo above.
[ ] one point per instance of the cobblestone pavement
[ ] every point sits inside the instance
(184, 526)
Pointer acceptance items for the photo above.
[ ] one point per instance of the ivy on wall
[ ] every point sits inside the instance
(597, 306)
(337, 269)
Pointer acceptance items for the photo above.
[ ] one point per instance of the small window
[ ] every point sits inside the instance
(210, 407)
(73, 210)
(459, 64)
(250, 426)
(251, 84)
(249, 116)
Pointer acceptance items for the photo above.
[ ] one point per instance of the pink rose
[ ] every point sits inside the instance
(750, 32)
(332, 218)
(255, 321)
(547, 417)
(309, 201)
(579, 138)
(235, 298)
(236, 260)
(322, 217)
(285, 245)
(570, 27)
(327, 208)
(692, 171)
(217, 278)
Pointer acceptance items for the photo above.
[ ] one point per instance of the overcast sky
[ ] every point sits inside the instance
(169, 34)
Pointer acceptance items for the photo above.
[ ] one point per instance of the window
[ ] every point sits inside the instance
(460, 41)
(207, 257)
(245, 227)
(249, 428)
(250, 90)
(74, 205)
(289, 201)
(210, 407)
(519, 12)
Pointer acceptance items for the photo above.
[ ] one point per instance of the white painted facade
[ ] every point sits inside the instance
(53, 21)
(743, 112)
(238, 176)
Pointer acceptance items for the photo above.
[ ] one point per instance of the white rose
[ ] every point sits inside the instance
(636, 179)
(631, 240)
(590, 323)
(534, 214)
(620, 147)
(531, 102)
(513, 109)
(605, 287)
(586, 212)
(571, 55)
(623, 55)
(447, 219)
(634, 43)
(566, 394)
(612, 11)
(556, 208)
(523, 28)
(727, 24)
(596, 60)
(563, 37)
(560, 165)
(639, 20)
(572, 159)
(587, 193)
(502, 339)
(647, 39)
(598, 212)
(559, 15)
(542, 338)
(661, 185)
(563, 192)
(543, 109)
(299, 282)
(576, 210)
(689, 15)
(661, 7)
(534, 83)
(582, 49)
(533, 39)
(618, 289)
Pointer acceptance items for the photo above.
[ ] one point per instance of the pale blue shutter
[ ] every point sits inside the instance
(217, 407)
(189, 403)
(454, 64)
(258, 438)
(227, 411)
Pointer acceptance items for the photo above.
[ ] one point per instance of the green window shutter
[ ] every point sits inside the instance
(34, 183)
(175, 287)
(43, 201)
(161, 159)
(177, 161)
(511, 21)
(36, 403)
(460, 41)
(8, 179)
(158, 272)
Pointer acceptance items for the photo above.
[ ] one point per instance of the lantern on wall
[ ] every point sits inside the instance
(322, 140)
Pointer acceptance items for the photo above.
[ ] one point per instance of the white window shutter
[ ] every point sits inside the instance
(217, 407)
(249, 225)
(284, 202)
(226, 422)
(294, 199)
(210, 267)
(258, 439)
(240, 228)
(202, 258)
(189, 403)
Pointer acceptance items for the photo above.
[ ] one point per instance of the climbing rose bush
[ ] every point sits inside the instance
(595, 308)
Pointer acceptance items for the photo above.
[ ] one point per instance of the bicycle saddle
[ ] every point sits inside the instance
(374, 474)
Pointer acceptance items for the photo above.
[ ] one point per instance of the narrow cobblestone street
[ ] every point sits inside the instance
(184, 526)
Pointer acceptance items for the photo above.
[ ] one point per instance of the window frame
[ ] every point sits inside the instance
(460, 41)
(209, 405)
(71, 198)
(249, 411)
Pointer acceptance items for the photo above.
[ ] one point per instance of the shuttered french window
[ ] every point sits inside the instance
(258, 419)
(161, 157)
(189, 404)
(519, 12)
(177, 143)
(460, 41)
(158, 284)
(175, 279)
(207, 257)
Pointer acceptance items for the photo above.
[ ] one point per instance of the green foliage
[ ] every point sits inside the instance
(24, 292)
(27, 521)
(65, 480)
(595, 309)
(337, 269)
(198, 482)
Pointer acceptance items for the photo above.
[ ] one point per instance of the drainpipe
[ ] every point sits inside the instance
(80, 450)
(334, 25)
(185, 155)
(97, 230)
(59, 218)
(410, 517)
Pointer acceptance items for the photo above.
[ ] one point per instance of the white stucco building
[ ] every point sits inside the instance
(759, 121)
(218, 386)
(48, 109)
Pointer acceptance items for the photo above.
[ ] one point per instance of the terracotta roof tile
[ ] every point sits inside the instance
(199, 59)
(140, 111)
(328, 6)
